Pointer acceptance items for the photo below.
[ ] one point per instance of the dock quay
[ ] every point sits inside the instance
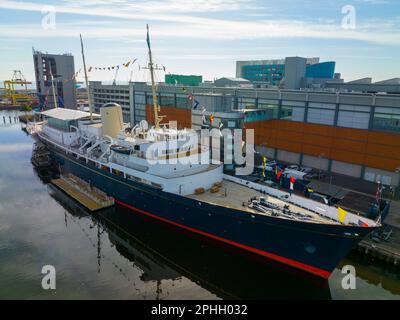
(90, 197)
(383, 245)
(25, 118)
(40, 156)
(10, 107)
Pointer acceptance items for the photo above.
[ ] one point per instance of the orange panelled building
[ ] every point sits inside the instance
(362, 147)
(183, 117)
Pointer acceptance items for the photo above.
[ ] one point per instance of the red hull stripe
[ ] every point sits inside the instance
(305, 267)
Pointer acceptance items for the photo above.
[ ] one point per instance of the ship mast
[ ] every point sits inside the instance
(53, 89)
(156, 107)
(86, 80)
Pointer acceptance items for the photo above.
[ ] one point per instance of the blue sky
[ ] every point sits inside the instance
(203, 36)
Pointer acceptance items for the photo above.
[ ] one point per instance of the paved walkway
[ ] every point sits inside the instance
(393, 217)
(368, 189)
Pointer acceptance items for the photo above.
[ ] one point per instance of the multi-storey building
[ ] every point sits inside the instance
(353, 134)
(62, 68)
(102, 93)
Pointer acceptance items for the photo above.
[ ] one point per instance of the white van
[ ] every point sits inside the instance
(294, 173)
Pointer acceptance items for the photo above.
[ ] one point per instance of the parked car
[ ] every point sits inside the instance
(306, 169)
(294, 173)
(315, 175)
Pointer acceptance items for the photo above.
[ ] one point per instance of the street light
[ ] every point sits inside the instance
(320, 164)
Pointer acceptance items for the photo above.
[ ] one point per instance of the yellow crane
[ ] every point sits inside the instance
(17, 96)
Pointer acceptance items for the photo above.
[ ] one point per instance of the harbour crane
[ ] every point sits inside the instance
(17, 96)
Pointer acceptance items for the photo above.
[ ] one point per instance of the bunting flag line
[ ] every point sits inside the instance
(211, 118)
(125, 64)
(341, 214)
(278, 172)
(279, 175)
(264, 166)
(292, 182)
(196, 104)
(362, 223)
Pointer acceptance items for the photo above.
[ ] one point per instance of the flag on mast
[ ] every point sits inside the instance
(292, 182)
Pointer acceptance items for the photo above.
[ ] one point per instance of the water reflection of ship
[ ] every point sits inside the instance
(162, 254)
(42, 164)
(377, 274)
(152, 269)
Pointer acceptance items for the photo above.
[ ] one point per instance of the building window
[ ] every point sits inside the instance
(271, 109)
(246, 103)
(292, 113)
(261, 115)
(183, 102)
(351, 119)
(388, 122)
(167, 100)
(321, 116)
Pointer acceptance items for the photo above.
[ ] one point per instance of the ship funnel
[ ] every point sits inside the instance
(111, 117)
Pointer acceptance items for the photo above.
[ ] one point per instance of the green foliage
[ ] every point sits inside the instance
(26, 108)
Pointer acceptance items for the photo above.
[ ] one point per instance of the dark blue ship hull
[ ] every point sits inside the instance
(311, 247)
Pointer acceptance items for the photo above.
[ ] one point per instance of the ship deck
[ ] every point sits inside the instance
(233, 195)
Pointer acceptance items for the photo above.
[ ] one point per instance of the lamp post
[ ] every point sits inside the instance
(397, 189)
(320, 165)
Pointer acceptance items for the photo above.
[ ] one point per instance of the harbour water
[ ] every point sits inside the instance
(116, 254)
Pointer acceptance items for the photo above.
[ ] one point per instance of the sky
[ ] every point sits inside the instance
(203, 37)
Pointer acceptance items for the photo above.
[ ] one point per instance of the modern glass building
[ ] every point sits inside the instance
(273, 71)
(325, 70)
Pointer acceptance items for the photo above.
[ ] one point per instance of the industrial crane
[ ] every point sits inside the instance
(17, 96)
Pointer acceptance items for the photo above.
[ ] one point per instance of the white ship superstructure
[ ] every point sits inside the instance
(167, 158)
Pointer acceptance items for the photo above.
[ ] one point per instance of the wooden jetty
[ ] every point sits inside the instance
(384, 245)
(25, 118)
(90, 197)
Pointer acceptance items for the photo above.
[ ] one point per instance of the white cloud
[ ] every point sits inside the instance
(170, 6)
(169, 20)
(376, 32)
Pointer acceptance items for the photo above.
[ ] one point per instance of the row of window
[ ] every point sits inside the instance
(103, 101)
(112, 97)
(320, 113)
(111, 91)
